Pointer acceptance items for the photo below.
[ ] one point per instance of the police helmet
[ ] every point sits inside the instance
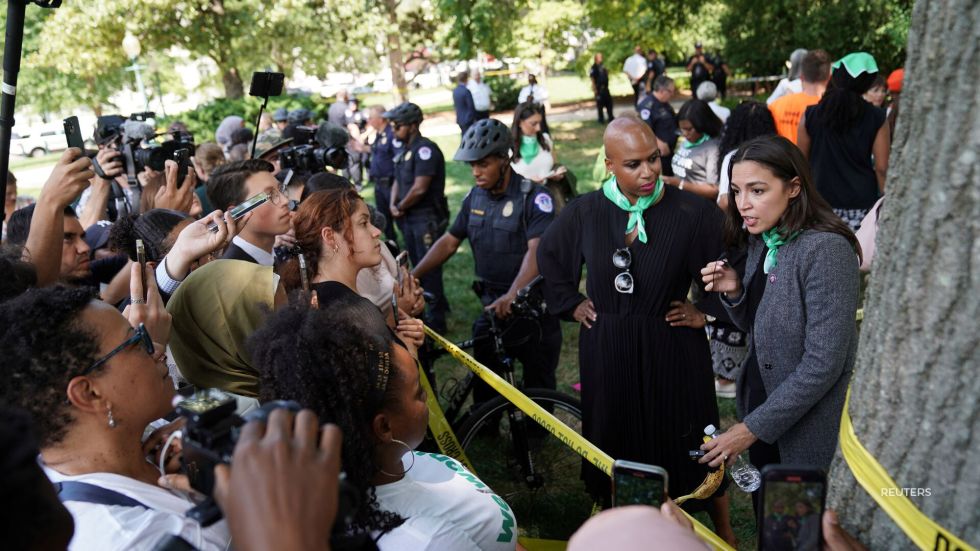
(299, 116)
(486, 137)
(280, 115)
(406, 113)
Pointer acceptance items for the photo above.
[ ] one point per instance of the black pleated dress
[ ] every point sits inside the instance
(647, 387)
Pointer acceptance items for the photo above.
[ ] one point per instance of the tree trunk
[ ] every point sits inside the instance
(395, 57)
(232, 81)
(915, 388)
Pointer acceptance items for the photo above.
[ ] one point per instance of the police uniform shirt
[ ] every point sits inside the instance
(661, 118)
(499, 227)
(601, 77)
(421, 158)
(383, 152)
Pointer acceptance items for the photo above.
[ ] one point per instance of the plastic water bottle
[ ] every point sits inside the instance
(745, 475)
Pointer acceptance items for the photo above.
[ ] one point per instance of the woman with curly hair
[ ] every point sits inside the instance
(92, 384)
(340, 363)
(750, 119)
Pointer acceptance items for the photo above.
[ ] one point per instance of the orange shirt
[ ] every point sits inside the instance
(787, 112)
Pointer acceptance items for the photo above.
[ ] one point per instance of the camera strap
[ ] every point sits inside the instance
(71, 490)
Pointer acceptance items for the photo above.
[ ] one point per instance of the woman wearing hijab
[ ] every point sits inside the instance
(214, 311)
(647, 384)
(846, 140)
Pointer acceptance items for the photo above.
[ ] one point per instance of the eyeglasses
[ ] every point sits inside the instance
(140, 335)
(622, 259)
(277, 197)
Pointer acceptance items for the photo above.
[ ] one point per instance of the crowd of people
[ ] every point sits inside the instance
(125, 293)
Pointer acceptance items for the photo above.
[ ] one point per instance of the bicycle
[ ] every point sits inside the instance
(534, 472)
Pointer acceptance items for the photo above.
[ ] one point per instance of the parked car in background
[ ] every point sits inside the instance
(39, 142)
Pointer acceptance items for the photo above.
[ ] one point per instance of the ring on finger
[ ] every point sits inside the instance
(137, 300)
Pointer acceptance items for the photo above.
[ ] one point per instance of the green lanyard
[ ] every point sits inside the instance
(611, 190)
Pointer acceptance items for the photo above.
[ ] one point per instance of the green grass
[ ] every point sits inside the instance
(30, 162)
(578, 143)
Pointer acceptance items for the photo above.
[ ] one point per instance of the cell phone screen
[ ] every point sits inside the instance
(791, 514)
(638, 488)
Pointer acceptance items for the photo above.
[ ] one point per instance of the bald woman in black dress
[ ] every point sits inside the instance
(647, 386)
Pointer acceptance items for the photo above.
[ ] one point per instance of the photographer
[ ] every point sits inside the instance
(503, 216)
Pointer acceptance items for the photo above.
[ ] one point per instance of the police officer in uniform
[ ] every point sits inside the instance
(503, 216)
(382, 167)
(655, 110)
(418, 200)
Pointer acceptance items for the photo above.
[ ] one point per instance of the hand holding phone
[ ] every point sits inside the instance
(638, 484)
(73, 133)
(243, 208)
(401, 265)
(183, 159)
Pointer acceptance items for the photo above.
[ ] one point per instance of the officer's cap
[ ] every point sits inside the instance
(406, 113)
(298, 116)
(280, 115)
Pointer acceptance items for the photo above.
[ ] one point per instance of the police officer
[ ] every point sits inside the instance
(655, 110)
(382, 168)
(503, 216)
(418, 199)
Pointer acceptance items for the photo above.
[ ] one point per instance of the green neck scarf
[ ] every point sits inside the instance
(611, 190)
(701, 140)
(529, 148)
(774, 240)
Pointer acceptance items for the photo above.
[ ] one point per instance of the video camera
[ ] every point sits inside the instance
(310, 156)
(209, 438)
(130, 134)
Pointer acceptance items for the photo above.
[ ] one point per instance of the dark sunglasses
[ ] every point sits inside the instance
(622, 259)
(140, 335)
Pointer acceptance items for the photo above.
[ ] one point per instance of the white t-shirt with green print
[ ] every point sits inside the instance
(445, 507)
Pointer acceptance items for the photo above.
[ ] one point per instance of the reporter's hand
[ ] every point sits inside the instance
(685, 314)
(673, 513)
(153, 314)
(835, 538)
(281, 490)
(409, 294)
(411, 331)
(196, 241)
(172, 197)
(287, 239)
(720, 277)
(726, 447)
(111, 162)
(68, 179)
(585, 313)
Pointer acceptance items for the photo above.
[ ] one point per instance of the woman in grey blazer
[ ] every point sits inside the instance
(797, 300)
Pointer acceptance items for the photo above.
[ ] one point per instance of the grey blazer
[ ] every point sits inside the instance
(805, 339)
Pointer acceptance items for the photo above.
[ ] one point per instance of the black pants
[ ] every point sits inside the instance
(420, 230)
(638, 89)
(538, 356)
(604, 100)
(760, 455)
(382, 202)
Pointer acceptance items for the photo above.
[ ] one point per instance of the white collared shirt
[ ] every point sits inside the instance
(635, 66)
(112, 527)
(481, 95)
(265, 258)
(539, 93)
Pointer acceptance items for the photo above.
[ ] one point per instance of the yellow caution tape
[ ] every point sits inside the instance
(875, 480)
(441, 430)
(535, 544)
(860, 314)
(569, 437)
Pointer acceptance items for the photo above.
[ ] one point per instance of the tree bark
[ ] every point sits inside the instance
(232, 81)
(916, 382)
(395, 56)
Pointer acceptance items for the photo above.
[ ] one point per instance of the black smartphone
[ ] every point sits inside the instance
(244, 208)
(183, 159)
(401, 261)
(792, 507)
(304, 277)
(638, 484)
(266, 84)
(141, 258)
(73, 133)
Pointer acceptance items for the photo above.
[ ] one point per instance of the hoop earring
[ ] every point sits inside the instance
(397, 441)
(112, 421)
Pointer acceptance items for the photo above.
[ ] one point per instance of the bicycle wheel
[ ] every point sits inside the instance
(550, 504)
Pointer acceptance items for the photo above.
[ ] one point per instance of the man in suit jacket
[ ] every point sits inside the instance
(233, 183)
(463, 102)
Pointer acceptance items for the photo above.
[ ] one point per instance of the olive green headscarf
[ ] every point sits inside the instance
(214, 311)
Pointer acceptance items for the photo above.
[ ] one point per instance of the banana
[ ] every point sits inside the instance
(708, 486)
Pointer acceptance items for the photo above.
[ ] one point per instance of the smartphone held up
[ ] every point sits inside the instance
(638, 484)
(792, 507)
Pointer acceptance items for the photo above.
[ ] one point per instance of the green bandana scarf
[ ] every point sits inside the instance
(611, 190)
(857, 63)
(529, 148)
(774, 240)
(701, 140)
